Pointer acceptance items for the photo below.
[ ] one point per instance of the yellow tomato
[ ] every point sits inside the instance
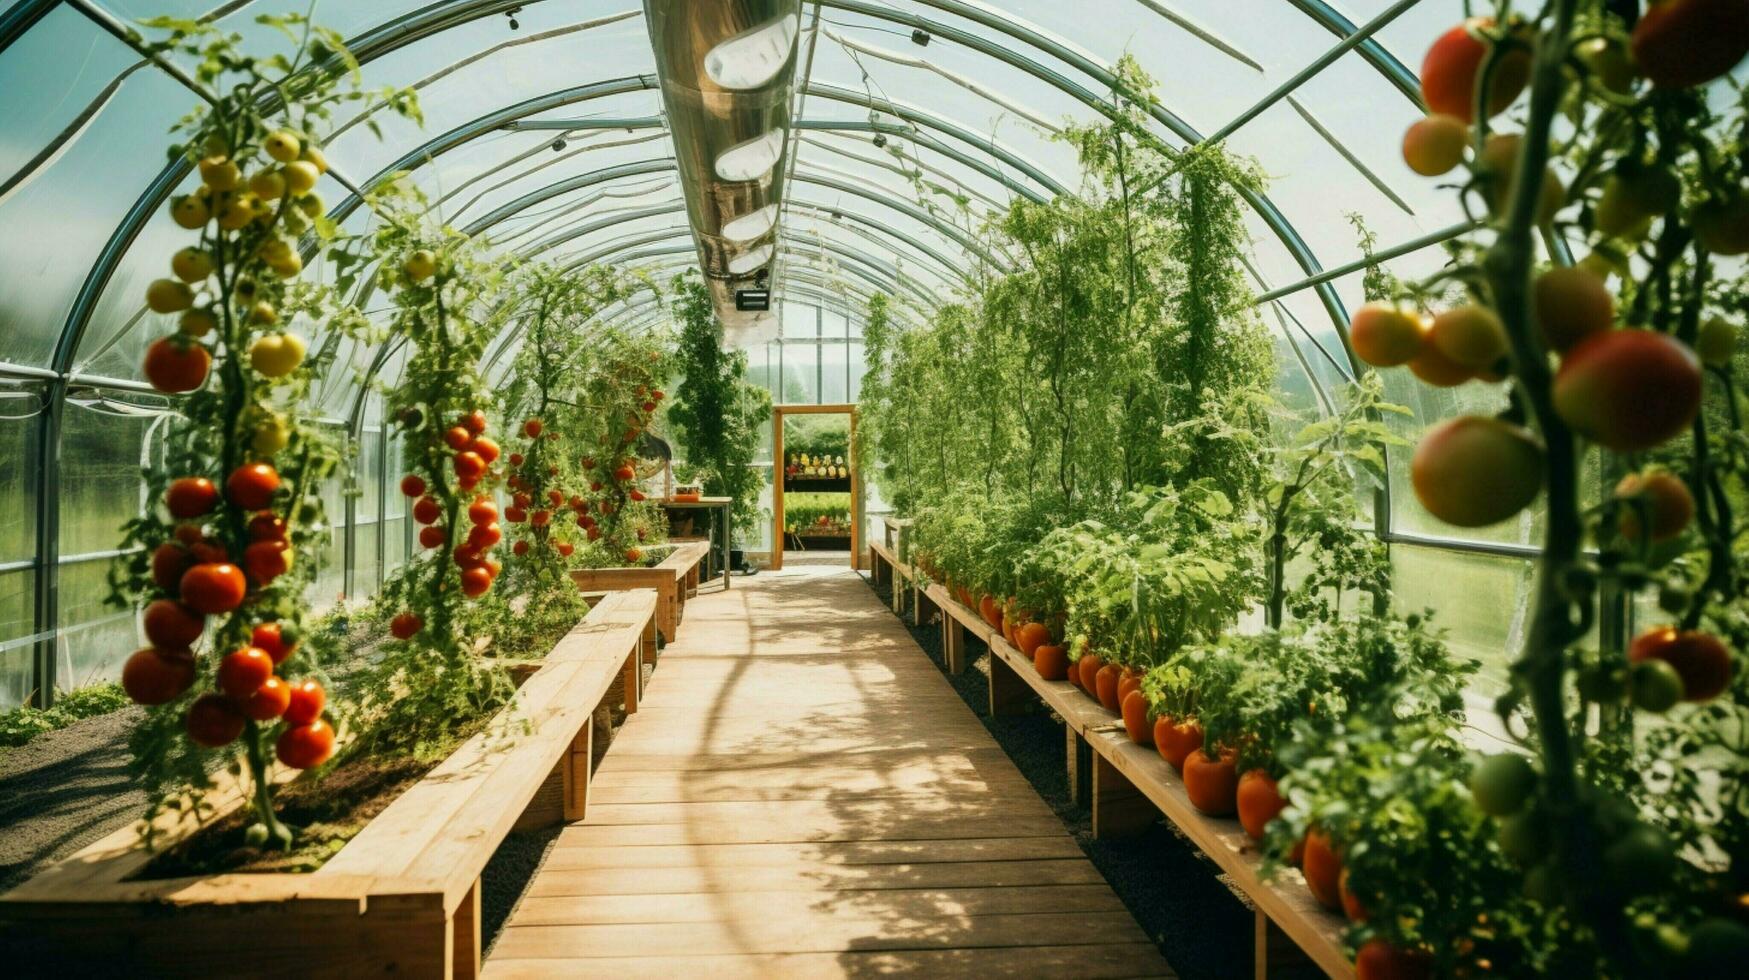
(199, 323)
(282, 146)
(315, 157)
(271, 434)
(301, 176)
(220, 173)
(421, 265)
(277, 355)
(191, 265)
(1717, 341)
(263, 313)
(190, 212)
(269, 185)
(168, 296)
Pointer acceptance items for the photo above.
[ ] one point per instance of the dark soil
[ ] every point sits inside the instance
(63, 790)
(1177, 895)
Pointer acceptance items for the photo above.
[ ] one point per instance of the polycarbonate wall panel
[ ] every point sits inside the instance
(19, 466)
(17, 623)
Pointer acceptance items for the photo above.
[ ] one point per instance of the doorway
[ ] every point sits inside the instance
(816, 492)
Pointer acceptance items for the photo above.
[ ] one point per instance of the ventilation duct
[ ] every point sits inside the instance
(728, 76)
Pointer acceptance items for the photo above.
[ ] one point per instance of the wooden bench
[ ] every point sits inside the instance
(402, 897)
(675, 580)
(885, 567)
(1129, 786)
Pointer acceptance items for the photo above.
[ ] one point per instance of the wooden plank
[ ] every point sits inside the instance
(571, 856)
(1086, 962)
(912, 903)
(557, 881)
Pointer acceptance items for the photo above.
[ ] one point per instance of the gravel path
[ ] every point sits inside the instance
(62, 790)
(1175, 893)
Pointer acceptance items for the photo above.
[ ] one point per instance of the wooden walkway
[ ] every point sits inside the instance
(802, 794)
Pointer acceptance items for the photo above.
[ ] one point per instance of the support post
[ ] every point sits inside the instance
(1119, 808)
(1275, 954)
(466, 935)
(1076, 761)
(577, 766)
(1009, 692)
(634, 678)
(953, 643)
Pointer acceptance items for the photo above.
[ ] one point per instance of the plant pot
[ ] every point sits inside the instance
(1351, 906)
(1176, 741)
(1212, 784)
(1135, 719)
(1129, 680)
(1051, 662)
(1088, 666)
(1379, 960)
(1030, 637)
(1105, 685)
(1323, 870)
(990, 611)
(1259, 802)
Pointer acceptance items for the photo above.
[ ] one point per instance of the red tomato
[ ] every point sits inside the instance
(487, 449)
(458, 438)
(520, 499)
(482, 510)
(532, 428)
(405, 626)
(556, 498)
(244, 670)
(595, 487)
(515, 515)
(492, 568)
(485, 536)
(519, 549)
(176, 364)
(1379, 960)
(1699, 658)
(1449, 73)
(251, 486)
(578, 503)
(466, 555)
(213, 721)
(565, 548)
(1473, 471)
(267, 526)
(209, 552)
(267, 560)
(433, 536)
(540, 518)
(1683, 43)
(515, 459)
(625, 472)
(191, 496)
(306, 704)
(594, 533)
(305, 746)
(1629, 390)
(633, 556)
(1323, 870)
(469, 465)
(426, 511)
(152, 676)
(268, 701)
(1259, 801)
(214, 588)
(1663, 497)
(475, 582)
(649, 406)
(170, 625)
(1211, 784)
(657, 394)
(475, 421)
(190, 534)
(589, 462)
(169, 561)
(412, 485)
(278, 641)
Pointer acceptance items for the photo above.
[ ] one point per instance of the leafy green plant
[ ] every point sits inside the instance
(622, 396)
(717, 413)
(24, 723)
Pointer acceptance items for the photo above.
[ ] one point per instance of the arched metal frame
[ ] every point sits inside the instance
(921, 128)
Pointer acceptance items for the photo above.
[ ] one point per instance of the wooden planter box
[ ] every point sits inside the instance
(400, 898)
(675, 580)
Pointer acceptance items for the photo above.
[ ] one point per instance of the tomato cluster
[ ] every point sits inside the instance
(473, 454)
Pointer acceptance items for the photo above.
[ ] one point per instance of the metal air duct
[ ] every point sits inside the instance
(727, 69)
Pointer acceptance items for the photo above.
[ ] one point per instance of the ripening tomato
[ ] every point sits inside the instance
(1684, 43)
(515, 515)
(482, 510)
(152, 676)
(532, 428)
(244, 670)
(214, 587)
(1660, 496)
(1435, 145)
(1385, 335)
(565, 548)
(305, 746)
(458, 438)
(486, 536)
(1379, 960)
(1629, 390)
(426, 510)
(1721, 225)
(412, 485)
(625, 472)
(1717, 342)
(1498, 168)
(267, 560)
(1438, 370)
(1470, 336)
(191, 496)
(475, 582)
(1572, 304)
(1703, 663)
(1450, 72)
(1473, 471)
(213, 721)
(519, 549)
(405, 626)
(433, 536)
(488, 450)
(516, 459)
(252, 486)
(469, 465)
(589, 462)
(170, 625)
(633, 555)
(268, 701)
(169, 561)
(475, 421)
(278, 639)
(306, 703)
(420, 265)
(540, 518)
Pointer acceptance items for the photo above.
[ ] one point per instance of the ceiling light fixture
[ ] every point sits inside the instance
(751, 160)
(750, 60)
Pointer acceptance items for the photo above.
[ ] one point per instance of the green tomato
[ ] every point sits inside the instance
(1717, 948)
(1602, 684)
(1502, 784)
(1639, 861)
(270, 435)
(1654, 686)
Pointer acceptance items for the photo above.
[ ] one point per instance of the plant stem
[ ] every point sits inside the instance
(262, 791)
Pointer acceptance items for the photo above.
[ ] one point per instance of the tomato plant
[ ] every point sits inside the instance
(224, 556)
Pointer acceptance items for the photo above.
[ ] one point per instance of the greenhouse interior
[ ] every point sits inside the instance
(842, 488)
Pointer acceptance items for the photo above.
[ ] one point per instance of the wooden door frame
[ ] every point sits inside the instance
(778, 414)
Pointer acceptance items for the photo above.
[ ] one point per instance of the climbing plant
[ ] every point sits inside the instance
(717, 414)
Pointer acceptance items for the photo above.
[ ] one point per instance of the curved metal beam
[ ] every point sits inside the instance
(1383, 61)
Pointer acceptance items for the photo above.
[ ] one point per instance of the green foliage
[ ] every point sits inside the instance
(621, 395)
(717, 413)
(19, 725)
(805, 509)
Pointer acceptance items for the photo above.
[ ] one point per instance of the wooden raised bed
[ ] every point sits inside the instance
(674, 580)
(885, 566)
(402, 897)
(1128, 786)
